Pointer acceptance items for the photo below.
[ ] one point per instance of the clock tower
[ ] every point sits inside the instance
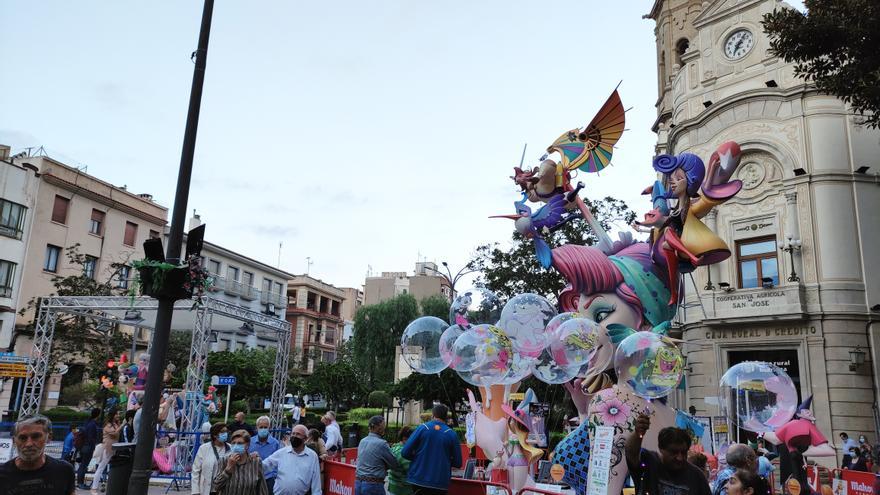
(800, 288)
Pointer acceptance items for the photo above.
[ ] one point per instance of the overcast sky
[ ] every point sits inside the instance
(357, 133)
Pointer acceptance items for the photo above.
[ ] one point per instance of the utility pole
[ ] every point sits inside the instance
(139, 481)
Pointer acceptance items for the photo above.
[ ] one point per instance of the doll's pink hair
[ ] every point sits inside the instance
(589, 271)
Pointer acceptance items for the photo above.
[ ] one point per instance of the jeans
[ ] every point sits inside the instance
(368, 488)
(85, 454)
(270, 484)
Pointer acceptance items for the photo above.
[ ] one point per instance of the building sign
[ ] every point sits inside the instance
(749, 333)
(763, 299)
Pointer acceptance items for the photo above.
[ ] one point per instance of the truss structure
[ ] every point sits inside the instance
(101, 308)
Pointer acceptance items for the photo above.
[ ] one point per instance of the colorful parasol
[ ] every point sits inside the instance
(589, 149)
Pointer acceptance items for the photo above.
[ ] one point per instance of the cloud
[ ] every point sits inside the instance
(274, 231)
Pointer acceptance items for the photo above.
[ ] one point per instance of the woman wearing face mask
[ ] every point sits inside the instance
(207, 457)
(746, 483)
(239, 473)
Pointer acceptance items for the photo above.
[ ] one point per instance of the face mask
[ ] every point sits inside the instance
(263, 432)
(223, 436)
(861, 439)
(237, 448)
(296, 442)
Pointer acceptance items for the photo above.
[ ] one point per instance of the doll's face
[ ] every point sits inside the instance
(678, 182)
(606, 308)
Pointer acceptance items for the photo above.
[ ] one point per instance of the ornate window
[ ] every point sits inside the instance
(756, 260)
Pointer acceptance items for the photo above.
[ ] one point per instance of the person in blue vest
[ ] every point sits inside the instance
(265, 445)
(433, 449)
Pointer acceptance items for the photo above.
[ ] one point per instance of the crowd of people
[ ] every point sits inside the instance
(239, 459)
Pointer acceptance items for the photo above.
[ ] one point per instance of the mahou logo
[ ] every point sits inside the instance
(858, 486)
(339, 489)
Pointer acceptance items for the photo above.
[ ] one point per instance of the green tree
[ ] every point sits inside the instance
(516, 270)
(377, 332)
(252, 368)
(79, 339)
(447, 387)
(340, 382)
(179, 345)
(435, 305)
(834, 45)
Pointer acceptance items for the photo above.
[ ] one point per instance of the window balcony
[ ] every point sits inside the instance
(219, 283)
(233, 287)
(279, 300)
(12, 232)
(249, 293)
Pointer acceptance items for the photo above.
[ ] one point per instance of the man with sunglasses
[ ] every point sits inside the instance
(32, 472)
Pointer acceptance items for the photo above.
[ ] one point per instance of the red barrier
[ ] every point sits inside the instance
(535, 490)
(858, 482)
(339, 480)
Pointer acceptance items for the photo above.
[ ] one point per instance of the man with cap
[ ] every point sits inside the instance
(373, 460)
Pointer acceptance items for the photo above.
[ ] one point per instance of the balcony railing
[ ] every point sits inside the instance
(8, 231)
(233, 287)
(219, 282)
(249, 293)
(275, 298)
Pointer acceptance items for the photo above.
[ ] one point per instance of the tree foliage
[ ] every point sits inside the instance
(834, 45)
(252, 368)
(79, 338)
(516, 270)
(377, 332)
(436, 305)
(340, 382)
(447, 387)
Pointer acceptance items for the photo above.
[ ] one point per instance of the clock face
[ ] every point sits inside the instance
(738, 44)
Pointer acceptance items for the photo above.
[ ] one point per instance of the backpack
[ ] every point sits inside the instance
(79, 439)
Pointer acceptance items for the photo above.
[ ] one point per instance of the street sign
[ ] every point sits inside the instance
(225, 380)
(13, 370)
(9, 357)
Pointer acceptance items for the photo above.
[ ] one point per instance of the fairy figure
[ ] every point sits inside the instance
(683, 242)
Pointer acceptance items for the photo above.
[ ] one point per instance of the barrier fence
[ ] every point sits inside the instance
(840, 481)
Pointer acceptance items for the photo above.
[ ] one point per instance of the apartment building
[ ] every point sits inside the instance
(65, 207)
(314, 310)
(354, 299)
(424, 282)
(245, 282)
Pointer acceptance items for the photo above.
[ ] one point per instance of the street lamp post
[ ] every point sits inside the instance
(466, 269)
(139, 481)
(791, 245)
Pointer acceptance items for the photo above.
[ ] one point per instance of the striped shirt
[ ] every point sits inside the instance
(246, 479)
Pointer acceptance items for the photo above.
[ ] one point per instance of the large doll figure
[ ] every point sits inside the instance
(696, 189)
(801, 438)
(625, 290)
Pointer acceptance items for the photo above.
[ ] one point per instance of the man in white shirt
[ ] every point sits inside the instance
(296, 413)
(297, 466)
(850, 450)
(334, 436)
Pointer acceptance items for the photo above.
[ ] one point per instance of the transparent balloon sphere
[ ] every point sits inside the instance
(447, 343)
(651, 365)
(483, 355)
(546, 369)
(518, 368)
(525, 318)
(574, 342)
(758, 396)
(475, 306)
(420, 344)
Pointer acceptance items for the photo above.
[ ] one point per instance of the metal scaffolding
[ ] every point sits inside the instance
(101, 308)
